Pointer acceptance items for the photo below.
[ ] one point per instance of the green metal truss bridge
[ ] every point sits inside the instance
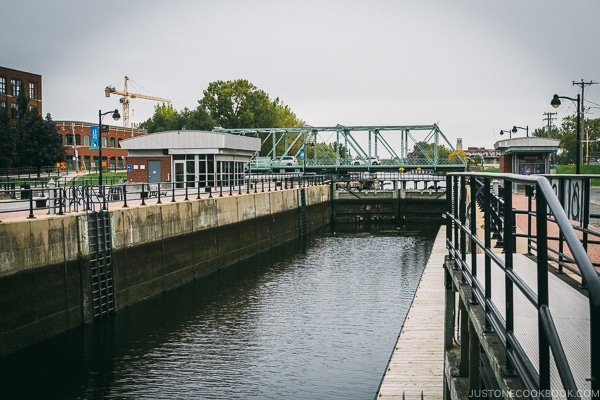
(354, 148)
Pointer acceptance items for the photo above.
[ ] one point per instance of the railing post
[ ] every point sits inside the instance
(488, 244)
(61, 198)
(462, 216)
(30, 203)
(449, 223)
(508, 283)
(473, 230)
(125, 195)
(542, 290)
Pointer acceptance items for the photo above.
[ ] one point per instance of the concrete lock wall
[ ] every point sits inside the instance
(44, 263)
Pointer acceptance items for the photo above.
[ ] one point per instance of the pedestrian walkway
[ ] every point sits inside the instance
(416, 366)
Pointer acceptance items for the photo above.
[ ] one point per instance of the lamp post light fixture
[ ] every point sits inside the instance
(116, 116)
(510, 132)
(526, 129)
(555, 103)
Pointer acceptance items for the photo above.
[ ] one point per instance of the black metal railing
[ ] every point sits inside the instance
(554, 224)
(60, 198)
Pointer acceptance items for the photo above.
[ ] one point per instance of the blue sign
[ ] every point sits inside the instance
(94, 133)
(301, 154)
(129, 168)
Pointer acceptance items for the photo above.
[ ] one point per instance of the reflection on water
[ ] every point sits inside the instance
(317, 323)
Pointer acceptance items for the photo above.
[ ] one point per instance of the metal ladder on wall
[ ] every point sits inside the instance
(303, 214)
(101, 269)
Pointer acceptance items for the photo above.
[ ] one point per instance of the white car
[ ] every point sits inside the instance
(370, 160)
(285, 161)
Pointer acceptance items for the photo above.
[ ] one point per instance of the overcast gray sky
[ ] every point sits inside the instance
(473, 67)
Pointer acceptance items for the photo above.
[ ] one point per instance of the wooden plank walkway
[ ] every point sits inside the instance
(417, 362)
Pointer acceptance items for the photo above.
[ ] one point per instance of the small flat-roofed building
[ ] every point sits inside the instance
(528, 155)
(189, 158)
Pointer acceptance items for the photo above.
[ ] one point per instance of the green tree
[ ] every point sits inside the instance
(424, 149)
(239, 104)
(165, 118)
(39, 144)
(8, 148)
(284, 117)
(197, 119)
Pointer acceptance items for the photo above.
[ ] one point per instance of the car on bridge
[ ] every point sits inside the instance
(285, 161)
(370, 161)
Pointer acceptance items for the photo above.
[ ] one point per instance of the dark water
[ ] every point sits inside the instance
(318, 322)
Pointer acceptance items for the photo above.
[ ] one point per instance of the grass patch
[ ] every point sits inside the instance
(109, 178)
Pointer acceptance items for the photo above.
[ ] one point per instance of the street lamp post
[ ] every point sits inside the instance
(555, 103)
(526, 129)
(116, 116)
(510, 132)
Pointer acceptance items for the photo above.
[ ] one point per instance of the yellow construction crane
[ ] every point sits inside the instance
(125, 99)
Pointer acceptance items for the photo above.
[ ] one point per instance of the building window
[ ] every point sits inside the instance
(32, 91)
(14, 111)
(86, 140)
(2, 85)
(112, 142)
(3, 106)
(16, 86)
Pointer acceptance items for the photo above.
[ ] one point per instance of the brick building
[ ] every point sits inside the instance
(14, 82)
(77, 139)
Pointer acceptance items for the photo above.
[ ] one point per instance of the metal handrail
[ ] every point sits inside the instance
(89, 198)
(461, 229)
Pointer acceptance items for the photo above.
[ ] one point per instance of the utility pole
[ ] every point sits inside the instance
(549, 118)
(582, 85)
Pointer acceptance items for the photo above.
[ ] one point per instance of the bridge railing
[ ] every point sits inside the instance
(553, 221)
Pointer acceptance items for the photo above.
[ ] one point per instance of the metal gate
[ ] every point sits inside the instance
(101, 269)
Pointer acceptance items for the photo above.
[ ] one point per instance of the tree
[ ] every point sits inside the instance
(166, 118)
(457, 156)
(424, 149)
(285, 117)
(38, 142)
(239, 104)
(230, 105)
(197, 119)
(7, 141)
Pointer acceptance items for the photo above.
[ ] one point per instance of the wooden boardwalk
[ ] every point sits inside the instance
(417, 362)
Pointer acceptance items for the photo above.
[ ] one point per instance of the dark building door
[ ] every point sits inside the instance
(154, 171)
